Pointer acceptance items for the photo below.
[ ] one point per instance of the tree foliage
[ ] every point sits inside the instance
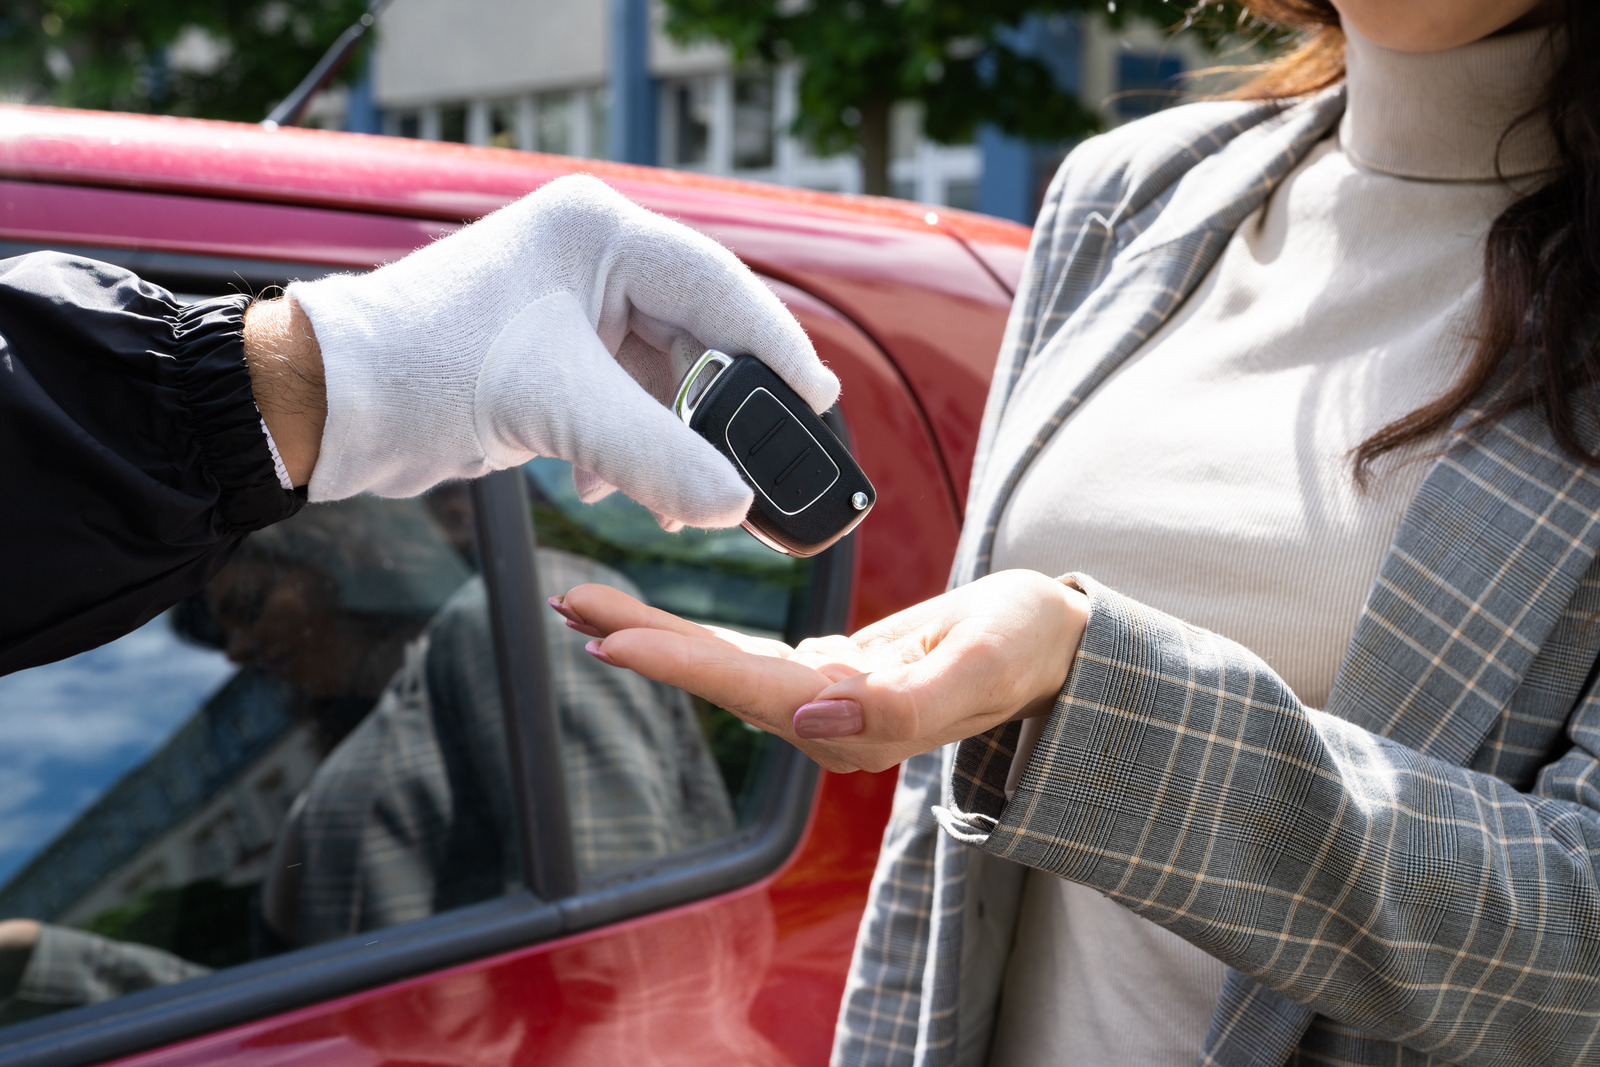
(967, 61)
(229, 59)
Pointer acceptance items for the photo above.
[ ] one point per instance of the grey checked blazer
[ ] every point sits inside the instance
(1409, 877)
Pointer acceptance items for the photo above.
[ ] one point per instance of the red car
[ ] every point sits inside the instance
(154, 812)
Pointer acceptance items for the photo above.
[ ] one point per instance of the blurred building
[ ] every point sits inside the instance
(207, 804)
(600, 80)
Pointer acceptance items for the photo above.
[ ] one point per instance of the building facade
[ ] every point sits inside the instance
(601, 80)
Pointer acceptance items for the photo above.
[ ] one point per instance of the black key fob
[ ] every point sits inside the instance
(809, 492)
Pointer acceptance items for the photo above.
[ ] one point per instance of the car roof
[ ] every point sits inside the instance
(396, 175)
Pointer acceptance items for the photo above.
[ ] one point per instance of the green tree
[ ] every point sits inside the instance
(228, 59)
(962, 59)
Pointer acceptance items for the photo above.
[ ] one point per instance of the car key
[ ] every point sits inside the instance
(809, 490)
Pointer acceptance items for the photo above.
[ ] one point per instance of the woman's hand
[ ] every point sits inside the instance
(946, 669)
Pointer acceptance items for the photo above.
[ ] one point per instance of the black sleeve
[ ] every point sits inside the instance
(132, 457)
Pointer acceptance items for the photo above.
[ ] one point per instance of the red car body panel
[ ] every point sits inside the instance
(749, 978)
(906, 304)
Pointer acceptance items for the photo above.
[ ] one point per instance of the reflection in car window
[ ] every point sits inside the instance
(309, 748)
(724, 577)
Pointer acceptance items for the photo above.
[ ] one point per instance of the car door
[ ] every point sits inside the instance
(364, 800)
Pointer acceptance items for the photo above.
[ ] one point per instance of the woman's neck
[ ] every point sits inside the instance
(1445, 116)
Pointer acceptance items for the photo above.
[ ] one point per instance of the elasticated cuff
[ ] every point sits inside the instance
(221, 407)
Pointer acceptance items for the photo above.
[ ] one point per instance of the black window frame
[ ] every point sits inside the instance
(555, 902)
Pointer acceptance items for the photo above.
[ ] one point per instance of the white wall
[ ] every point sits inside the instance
(434, 50)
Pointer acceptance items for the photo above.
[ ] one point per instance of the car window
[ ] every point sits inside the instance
(631, 747)
(315, 747)
(309, 749)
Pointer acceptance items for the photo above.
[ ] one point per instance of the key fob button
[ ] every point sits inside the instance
(779, 456)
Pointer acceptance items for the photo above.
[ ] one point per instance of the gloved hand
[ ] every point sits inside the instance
(557, 326)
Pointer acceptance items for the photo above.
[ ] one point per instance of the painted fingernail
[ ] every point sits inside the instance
(572, 618)
(560, 605)
(827, 718)
(594, 649)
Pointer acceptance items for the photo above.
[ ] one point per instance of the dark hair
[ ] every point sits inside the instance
(1541, 269)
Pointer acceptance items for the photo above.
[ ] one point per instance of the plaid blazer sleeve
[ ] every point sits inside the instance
(69, 968)
(1407, 897)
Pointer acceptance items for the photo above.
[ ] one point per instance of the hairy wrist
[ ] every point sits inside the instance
(285, 364)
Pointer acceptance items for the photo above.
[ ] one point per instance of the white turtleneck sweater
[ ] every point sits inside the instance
(1210, 477)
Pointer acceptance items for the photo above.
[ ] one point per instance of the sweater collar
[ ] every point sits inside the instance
(1440, 116)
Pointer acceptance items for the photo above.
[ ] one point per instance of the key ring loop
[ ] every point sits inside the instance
(684, 406)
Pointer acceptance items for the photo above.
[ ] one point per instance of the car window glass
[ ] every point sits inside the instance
(650, 769)
(310, 748)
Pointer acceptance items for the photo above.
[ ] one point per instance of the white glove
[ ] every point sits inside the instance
(558, 326)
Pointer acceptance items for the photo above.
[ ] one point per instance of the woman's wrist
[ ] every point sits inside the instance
(1069, 618)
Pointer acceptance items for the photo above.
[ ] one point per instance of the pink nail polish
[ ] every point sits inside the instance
(827, 718)
(594, 649)
(559, 606)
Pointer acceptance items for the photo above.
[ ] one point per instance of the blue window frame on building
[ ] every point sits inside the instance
(1146, 83)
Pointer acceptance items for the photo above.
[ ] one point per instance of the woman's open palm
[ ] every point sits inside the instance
(942, 670)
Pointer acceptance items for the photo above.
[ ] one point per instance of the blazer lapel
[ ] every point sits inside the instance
(1148, 280)
(1488, 555)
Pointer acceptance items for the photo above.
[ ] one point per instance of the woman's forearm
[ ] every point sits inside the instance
(1393, 891)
